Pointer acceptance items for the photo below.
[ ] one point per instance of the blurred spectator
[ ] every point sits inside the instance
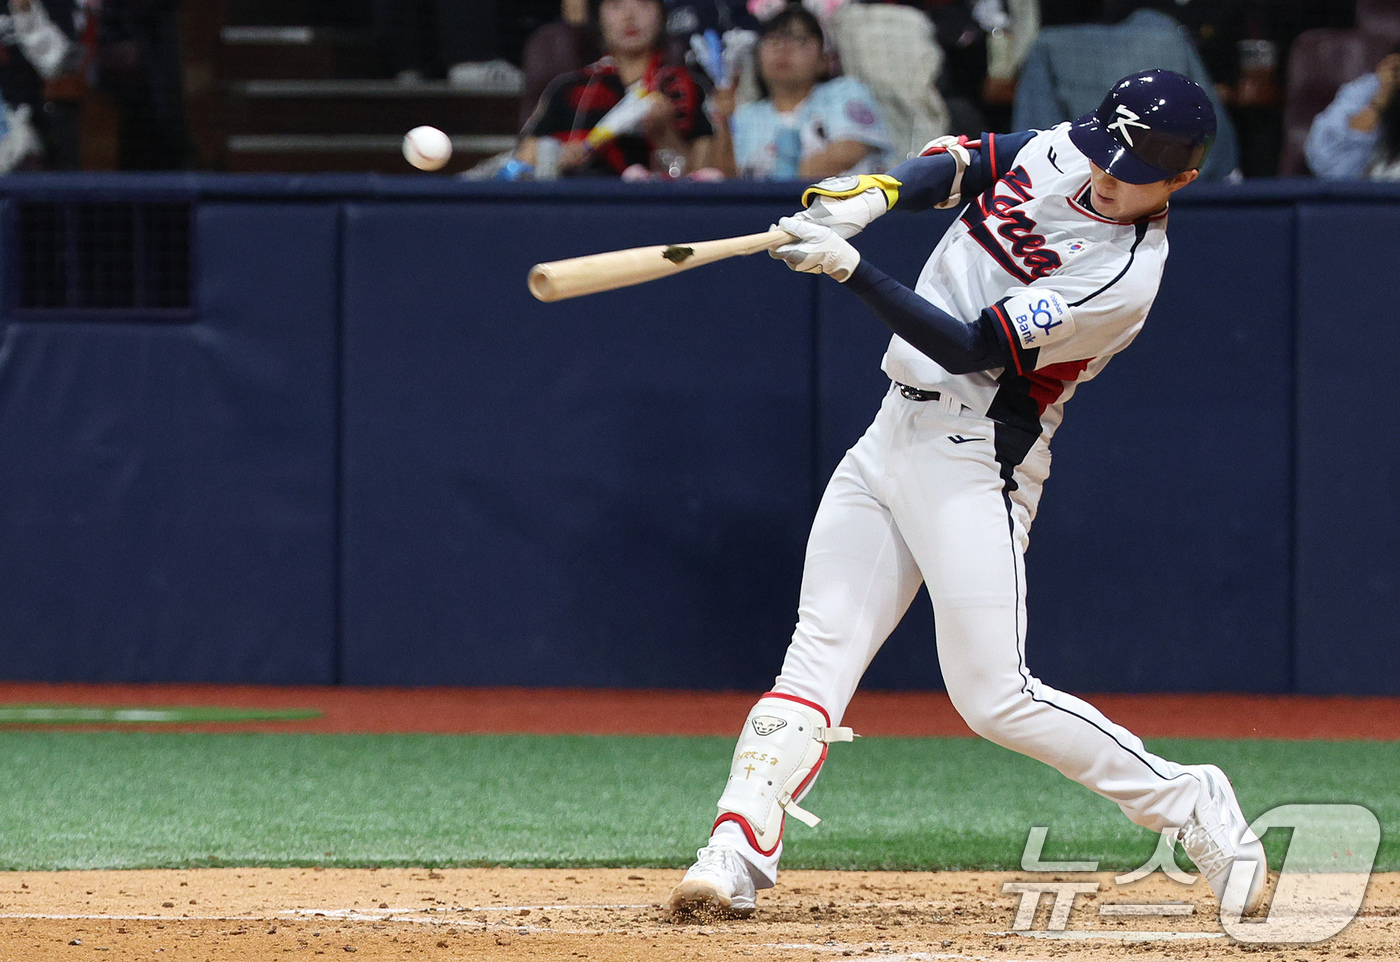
(138, 44)
(891, 49)
(1056, 13)
(985, 42)
(716, 36)
(1358, 135)
(806, 125)
(1216, 28)
(629, 109)
(766, 10)
(1069, 67)
(688, 17)
(456, 38)
(560, 47)
(40, 59)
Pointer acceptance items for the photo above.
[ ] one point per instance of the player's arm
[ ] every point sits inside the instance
(959, 347)
(1007, 334)
(950, 169)
(953, 169)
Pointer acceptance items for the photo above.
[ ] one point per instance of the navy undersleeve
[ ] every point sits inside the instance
(959, 347)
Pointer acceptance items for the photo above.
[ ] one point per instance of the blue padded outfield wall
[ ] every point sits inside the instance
(367, 456)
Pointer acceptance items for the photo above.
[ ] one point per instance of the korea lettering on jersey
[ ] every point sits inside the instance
(1071, 286)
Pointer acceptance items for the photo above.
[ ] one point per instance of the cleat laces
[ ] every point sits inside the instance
(711, 858)
(1203, 848)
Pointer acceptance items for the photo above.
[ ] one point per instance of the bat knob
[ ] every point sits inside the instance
(542, 283)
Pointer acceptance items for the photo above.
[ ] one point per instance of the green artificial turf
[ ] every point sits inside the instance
(126, 800)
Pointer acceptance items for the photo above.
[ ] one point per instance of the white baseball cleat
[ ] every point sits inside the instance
(718, 883)
(1217, 836)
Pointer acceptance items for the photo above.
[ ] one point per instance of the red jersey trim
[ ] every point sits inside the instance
(1048, 383)
(992, 148)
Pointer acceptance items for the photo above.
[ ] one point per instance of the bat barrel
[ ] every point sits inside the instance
(593, 273)
(541, 282)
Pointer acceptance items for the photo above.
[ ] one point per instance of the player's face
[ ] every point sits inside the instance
(790, 55)
(629, 27)
(1123, 201)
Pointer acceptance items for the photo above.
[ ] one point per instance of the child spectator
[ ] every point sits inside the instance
(620, 111)
(805, 124)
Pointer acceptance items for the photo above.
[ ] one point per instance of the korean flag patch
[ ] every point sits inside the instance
(1039, 318)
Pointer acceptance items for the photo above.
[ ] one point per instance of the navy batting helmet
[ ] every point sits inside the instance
(1152, 126)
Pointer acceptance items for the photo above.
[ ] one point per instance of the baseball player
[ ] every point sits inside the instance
(1049, 271)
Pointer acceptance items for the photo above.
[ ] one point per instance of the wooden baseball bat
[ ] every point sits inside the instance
(556, 280)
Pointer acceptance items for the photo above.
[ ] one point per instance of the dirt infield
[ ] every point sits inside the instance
(623, 712)
(515, 915)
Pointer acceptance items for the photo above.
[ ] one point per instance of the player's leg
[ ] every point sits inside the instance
(969, 537)
(858, 580)
(990, 685)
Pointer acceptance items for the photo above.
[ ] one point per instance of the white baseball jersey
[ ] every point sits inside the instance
(1030, 237)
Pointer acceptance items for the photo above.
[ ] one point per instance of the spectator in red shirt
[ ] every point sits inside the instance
(625, 108)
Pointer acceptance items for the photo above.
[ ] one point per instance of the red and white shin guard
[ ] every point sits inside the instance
(780, 752)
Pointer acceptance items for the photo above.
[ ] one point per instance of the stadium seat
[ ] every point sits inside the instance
(1379, 18)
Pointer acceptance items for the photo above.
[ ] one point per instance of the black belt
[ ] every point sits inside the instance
(914, 394)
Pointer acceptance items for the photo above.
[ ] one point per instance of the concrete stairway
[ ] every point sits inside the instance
(303, 98)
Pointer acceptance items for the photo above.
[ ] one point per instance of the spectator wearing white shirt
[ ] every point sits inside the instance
(805, 125)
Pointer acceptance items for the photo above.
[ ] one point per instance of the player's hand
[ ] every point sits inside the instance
(848, 204)
(817, 250)
(1388, 70)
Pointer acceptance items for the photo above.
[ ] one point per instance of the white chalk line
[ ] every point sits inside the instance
(883, 956)
(135, 918)
(430, 915)
(1080, 935)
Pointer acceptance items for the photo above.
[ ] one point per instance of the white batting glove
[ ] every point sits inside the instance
(817, 250)
(846, 217)
(847, 204)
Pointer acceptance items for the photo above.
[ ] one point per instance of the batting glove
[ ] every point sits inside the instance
(817, 250)
(848, 204)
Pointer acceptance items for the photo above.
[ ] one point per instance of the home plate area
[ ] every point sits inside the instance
(618, 915)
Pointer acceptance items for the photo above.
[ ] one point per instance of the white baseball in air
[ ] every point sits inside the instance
(426, 148)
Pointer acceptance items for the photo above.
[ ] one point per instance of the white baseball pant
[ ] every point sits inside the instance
(908, 505)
